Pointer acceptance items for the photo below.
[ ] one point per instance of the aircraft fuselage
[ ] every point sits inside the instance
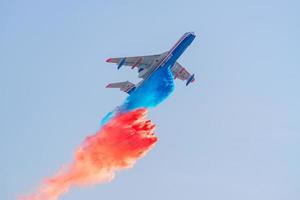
(169, 58)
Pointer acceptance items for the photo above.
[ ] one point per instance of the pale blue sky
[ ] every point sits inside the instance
(232, 135)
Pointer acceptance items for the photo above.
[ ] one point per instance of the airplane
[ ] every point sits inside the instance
(147, 65)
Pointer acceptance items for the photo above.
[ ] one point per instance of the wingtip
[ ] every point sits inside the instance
(191, 79)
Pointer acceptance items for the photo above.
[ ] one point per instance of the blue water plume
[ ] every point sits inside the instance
(152, 92)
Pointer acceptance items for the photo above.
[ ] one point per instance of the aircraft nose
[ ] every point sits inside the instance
(192, 33)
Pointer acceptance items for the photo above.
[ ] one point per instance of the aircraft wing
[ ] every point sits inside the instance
(137, 61)
(181, 73)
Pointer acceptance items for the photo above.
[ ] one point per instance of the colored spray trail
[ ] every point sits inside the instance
(116, 146)
(125, 136)
(153, 91)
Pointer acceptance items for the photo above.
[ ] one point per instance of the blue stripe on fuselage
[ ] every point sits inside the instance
(182, 46)
(177, 50)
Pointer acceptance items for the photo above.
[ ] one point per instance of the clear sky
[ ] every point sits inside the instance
(232, 135)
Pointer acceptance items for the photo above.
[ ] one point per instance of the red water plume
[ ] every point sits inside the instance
(116, 146)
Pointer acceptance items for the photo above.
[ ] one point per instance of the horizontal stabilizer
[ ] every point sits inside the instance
(125, 86)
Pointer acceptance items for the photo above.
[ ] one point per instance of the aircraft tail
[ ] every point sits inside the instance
(125, 86)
